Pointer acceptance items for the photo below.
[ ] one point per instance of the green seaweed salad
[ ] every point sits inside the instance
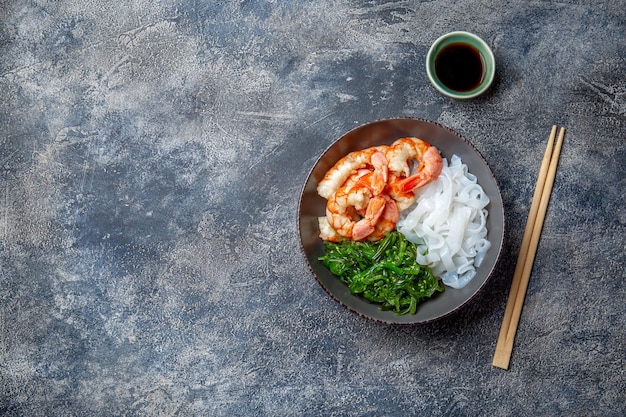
(383, 272)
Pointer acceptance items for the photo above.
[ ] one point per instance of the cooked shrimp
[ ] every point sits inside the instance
(387, 221)
(327, 232)
(379, 217)
(349, 164)
(404, 199)
(364, 227)
(379, 176)
(343, 206)
(353, 210)
(402, 152)
(367, 189)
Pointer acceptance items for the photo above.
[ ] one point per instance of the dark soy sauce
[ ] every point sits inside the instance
(460, 67)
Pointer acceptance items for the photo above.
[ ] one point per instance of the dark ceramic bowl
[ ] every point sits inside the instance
(384, 132)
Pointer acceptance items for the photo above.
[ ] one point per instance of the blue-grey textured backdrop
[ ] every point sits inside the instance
(151, 158)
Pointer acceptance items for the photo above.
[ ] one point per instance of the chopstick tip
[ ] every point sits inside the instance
(501, 360)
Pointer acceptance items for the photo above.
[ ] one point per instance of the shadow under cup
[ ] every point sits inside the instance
(460, 65)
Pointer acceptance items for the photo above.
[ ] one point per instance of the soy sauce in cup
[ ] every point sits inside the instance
(460, 67)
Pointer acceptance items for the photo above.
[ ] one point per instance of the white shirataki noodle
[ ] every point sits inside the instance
(448, 222)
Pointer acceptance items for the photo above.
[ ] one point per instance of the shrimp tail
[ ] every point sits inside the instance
(366, 226)
(430, 163)
(380, 174)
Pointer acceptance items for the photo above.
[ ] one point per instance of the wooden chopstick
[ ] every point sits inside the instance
(501, 357)
(528, 250)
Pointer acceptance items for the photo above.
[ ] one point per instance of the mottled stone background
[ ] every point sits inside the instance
(151, 158)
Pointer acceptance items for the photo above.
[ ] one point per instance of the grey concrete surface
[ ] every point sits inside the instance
(151, 158)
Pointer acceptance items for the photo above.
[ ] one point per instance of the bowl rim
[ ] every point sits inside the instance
(500, 237)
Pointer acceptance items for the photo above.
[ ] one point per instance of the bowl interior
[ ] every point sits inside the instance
(385, 132)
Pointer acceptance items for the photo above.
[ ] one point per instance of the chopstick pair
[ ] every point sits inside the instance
(528, 250)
